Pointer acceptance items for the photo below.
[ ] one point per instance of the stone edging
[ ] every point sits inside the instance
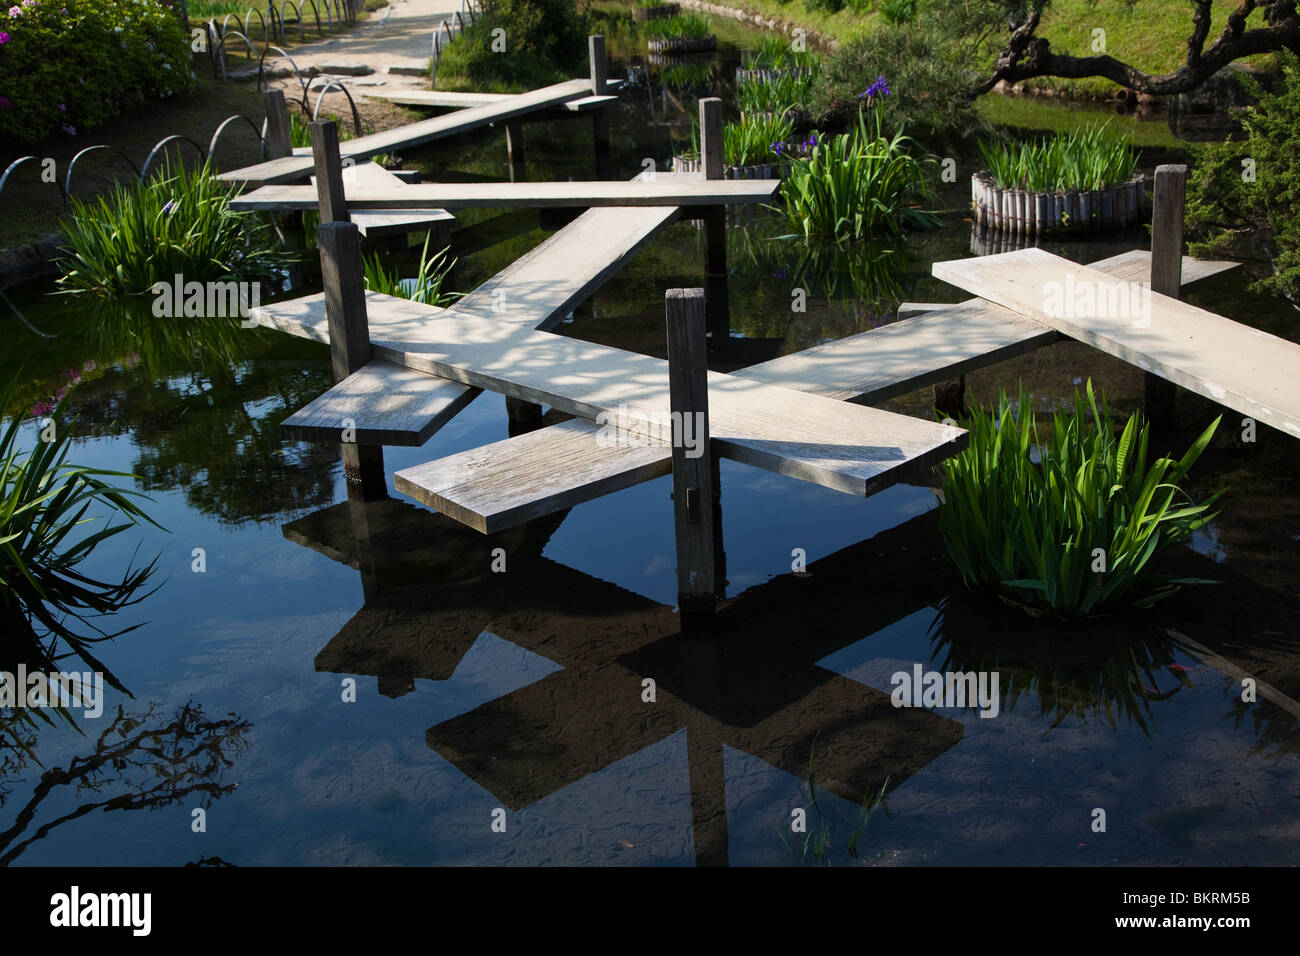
(32, 261)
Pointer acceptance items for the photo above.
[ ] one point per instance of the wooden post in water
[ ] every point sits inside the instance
(1169, 198)
(600, 116)
(329, 172)
(349, 331)
(515, 148)
(693, 475)
(718, 315)
(278, 142)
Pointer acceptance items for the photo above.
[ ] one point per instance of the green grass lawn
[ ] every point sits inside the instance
(1151, 36)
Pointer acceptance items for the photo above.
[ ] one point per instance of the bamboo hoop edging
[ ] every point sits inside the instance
(683, 44)
(1026, 212)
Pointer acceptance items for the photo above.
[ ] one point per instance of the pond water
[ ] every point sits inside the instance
(484, 697)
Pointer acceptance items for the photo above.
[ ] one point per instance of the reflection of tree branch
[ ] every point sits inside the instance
(187, 755)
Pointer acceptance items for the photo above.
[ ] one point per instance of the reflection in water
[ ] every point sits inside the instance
(1080, 669)
(755, 687)
(113, 327)
(141, 761)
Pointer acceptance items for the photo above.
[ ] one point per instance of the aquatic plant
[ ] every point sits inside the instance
(425, 287)
(45, 505)
(774, 52)
(779, 93)
(178, 223)
(752, 141)
(1089, 158)
(858, 184)
(683, 26)
(1070, 525)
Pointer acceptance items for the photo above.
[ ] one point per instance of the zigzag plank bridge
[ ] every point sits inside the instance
(404, 369)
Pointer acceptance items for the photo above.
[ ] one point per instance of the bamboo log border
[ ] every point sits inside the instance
(1025, 212)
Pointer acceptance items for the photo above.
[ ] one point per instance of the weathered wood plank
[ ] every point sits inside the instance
(894, 359)
(440, 98)
(508, 482)
(663, 191)
(1225, 361)
(290, 168)
(386, 404)
(589, 103)
(1135, 266)
(376, 224)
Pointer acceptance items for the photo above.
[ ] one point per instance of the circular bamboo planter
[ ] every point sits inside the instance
(765, 76)
(661, 12)
(1024, 212)
(684, 44)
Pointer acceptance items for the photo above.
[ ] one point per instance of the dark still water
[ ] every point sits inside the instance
(363, 688)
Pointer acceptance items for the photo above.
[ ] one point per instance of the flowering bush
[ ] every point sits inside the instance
(69, 65)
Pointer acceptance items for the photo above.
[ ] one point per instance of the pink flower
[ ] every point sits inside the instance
(70, 130)
(15, 11)
(5, 104)
(4, 38)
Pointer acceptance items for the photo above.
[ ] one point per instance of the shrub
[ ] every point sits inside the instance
(551, 31)
(180, 222)
(930, 81)
(1029, 530)
(857, 185)
(1088, 158)
(470, 64)
(1226, 209)
(898, 11)
(72, 65)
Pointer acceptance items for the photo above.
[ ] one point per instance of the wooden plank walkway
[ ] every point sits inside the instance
(1230, 363)
(682, 190)
(509, 482)
(535, 291)
(383, 222)
(290, 168)
(440, 98)
(943, 342)
(383, 404)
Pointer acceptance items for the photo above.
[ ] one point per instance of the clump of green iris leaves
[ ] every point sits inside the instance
(1070, 525)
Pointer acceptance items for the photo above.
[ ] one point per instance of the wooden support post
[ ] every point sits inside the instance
(522, 417)
(718, 315)
(599, 65)
(701, 663)
(349, 332)
(1168, 201)
(329, 172)
(950, 396)
(515, 148)
(278, 143)
(693, 492)
(600, 117)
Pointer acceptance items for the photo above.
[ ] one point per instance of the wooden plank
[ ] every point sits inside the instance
(388, 223)
(589, 103)
(663, 191)
(508, 482)
(693, 488)
(290, 168)
(711, 145)
(1225, 361)
(440, 98)
(540, 288)
(278, 140)
(1168, 200)
(894, 359)
(386, 404)
(599, 64)
(1135, 266)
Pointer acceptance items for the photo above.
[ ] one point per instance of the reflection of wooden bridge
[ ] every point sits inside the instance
(430, 594)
